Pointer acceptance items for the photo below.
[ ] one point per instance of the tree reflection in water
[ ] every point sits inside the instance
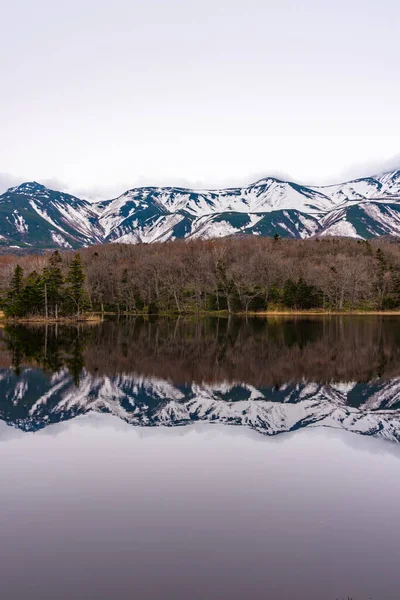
(336, 371)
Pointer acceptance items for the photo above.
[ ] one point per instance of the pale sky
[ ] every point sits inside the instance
(100, 96)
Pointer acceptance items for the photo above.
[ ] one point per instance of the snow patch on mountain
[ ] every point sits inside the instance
(208, 229)
(341, 229)
(60, 240)
(44, 215)
(19, 222)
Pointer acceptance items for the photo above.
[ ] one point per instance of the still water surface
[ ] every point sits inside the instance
(201, 459)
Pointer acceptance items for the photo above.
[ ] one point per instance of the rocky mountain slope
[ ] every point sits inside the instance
(34, 400)
(32, 216)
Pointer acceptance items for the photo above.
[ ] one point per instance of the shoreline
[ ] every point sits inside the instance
(304, 313)
(99, 318)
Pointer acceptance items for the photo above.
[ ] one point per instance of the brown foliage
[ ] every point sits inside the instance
(175, 275)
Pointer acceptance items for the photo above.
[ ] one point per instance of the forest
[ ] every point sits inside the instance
(236, 275)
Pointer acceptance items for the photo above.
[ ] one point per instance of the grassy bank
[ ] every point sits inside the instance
(90, 318)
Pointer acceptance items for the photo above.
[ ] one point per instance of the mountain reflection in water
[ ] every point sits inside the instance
(273, 375)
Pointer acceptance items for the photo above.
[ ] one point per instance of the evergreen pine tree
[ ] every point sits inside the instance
(13, 305)
(32, 295)
(16, 284)
(55, 259)
(53, 286)
(303, 294)
(76, 279)
(289, 295)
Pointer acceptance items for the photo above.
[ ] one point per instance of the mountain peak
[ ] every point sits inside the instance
(266, 181)
(28, 187)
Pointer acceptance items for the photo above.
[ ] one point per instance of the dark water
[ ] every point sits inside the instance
(201, 459)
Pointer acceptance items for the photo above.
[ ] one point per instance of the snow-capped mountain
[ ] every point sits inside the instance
(34, 216)
(34, 400)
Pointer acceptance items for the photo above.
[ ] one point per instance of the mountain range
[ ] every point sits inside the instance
(33, 400)
(35, 217)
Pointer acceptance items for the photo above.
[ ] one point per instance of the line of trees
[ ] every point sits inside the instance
(47, 292)
(233, 274)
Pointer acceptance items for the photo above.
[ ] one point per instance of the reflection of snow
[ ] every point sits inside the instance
(142, 400)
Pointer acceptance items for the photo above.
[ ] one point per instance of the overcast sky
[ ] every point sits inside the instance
(99, 96)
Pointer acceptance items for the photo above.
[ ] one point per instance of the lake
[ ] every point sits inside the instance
(201, 458)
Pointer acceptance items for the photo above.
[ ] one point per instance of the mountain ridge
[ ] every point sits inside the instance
(34, 216)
